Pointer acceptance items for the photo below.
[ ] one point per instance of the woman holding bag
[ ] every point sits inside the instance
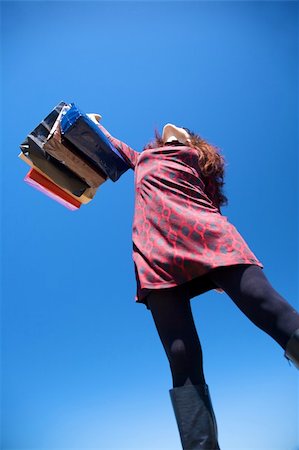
(182, 247)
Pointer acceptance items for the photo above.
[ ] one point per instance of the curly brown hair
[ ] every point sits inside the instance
(212, 165)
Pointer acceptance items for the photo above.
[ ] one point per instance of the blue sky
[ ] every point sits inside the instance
(82, 365)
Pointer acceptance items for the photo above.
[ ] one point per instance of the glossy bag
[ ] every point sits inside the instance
(85, 135)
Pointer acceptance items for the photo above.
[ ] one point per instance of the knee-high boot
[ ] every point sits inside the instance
(292, 348)
(195, 417)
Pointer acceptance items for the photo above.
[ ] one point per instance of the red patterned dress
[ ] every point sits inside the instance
(178, 234)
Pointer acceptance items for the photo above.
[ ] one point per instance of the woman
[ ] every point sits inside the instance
(184, 246)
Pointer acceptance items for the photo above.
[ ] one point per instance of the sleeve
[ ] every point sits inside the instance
(129, 155)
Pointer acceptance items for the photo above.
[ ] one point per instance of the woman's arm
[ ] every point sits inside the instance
(129, 155)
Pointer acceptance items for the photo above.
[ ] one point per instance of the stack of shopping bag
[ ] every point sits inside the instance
(70, 157)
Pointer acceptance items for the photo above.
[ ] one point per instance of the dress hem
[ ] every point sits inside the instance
(142, 299)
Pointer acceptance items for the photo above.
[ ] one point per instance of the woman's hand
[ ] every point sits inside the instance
(94, 117)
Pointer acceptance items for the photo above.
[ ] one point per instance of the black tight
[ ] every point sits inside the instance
(252, 293)
(173, 317)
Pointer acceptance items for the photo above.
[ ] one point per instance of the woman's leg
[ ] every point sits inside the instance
(253, 294)
(190, 395)
(171, 311)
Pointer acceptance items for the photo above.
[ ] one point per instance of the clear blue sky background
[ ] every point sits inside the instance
(83, 367)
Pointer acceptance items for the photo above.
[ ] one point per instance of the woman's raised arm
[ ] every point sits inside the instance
(129, 155)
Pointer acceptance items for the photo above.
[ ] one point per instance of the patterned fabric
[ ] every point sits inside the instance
(178, 234)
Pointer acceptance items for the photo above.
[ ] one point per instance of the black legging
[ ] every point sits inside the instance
(250, 290)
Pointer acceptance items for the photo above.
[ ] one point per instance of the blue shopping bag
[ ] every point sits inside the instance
(85, 135)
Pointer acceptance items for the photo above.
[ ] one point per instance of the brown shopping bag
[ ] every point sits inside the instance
(32, 147)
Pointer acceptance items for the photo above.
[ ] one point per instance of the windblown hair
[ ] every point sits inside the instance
(211, 162)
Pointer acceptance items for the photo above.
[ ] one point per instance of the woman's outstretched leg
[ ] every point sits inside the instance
(254, 295)
(171, 311)
(191, 401)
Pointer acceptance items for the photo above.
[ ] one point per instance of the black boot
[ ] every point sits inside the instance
(195, 417)
(292, 349)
